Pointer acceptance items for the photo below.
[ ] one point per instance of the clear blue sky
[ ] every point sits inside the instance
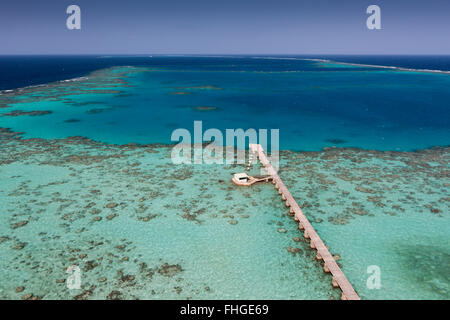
(225, 27)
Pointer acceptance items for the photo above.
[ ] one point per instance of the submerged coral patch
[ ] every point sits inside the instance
(98, 110)
(336, 141)
(206, 87)
(17, 113)
(205, 108)
(72, 120)
(180, 93)
(428, 267)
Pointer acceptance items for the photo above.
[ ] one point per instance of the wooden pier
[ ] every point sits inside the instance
(329, 264)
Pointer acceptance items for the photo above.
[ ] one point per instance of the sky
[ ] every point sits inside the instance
(225, 27)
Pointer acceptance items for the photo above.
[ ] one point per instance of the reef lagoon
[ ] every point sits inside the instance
(87, 179)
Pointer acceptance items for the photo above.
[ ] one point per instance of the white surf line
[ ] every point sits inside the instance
(378, 66)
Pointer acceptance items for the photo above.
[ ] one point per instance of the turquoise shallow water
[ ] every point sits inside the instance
(141, 227)
(217, 241)
(386, 209)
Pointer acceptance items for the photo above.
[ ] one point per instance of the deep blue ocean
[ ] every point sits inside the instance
(21, 71)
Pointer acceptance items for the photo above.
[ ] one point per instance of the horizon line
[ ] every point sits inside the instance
(224, 54)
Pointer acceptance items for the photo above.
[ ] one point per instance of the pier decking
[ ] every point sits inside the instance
(329, 264)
